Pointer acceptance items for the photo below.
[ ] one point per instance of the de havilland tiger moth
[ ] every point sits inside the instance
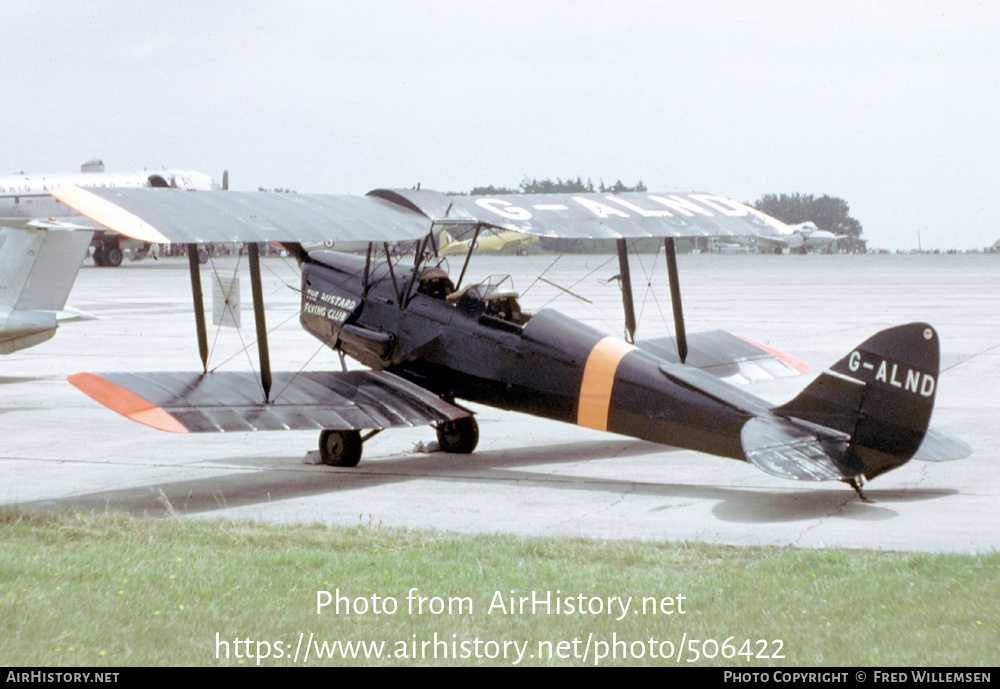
(431, 340)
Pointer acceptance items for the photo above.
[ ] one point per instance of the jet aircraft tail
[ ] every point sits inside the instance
(37, 271)
(878, 399)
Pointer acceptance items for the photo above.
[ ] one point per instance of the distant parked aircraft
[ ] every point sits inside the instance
(795, 238)
(25, 201)
(37, 271)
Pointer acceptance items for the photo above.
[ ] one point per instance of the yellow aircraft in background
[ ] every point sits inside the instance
(487, 241)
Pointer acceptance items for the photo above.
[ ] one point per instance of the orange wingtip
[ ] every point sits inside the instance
(125, 402)
(108, 214)
(801, 367)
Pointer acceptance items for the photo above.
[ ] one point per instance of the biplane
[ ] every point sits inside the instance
(431, 340)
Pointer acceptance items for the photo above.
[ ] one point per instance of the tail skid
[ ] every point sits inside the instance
(869, 413)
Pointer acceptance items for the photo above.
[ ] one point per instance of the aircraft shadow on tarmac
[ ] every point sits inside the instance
(791, 505)
(276, 483)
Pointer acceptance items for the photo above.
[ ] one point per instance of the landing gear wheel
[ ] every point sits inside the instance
(99, 258)
(460, 436)
(340, 448)
(113, 257)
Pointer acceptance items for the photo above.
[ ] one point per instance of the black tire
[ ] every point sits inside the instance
(340, 448)
(99, 258)
(113, 257)
(202, 256)
(460, 437)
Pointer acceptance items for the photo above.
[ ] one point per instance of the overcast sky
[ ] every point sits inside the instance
(893, 105)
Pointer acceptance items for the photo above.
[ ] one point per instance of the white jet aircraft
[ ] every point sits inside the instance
(25, 202)
(37, 270)
(43, 244)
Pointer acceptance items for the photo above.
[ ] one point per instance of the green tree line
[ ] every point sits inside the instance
(828, 212)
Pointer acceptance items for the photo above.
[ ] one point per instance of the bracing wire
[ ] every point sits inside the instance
(650, 290)
(229, 307)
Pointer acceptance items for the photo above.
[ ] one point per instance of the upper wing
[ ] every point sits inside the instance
(593, 215)
(162, 215)
(190, 217)
(232, 401)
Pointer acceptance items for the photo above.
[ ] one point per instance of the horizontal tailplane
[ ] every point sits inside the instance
(791, 450)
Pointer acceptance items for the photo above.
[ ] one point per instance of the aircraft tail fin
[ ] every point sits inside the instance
(38, 267)
(445, 238)
(37, 272)
(881, 395)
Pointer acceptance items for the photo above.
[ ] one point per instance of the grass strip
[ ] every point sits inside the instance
(115, 590)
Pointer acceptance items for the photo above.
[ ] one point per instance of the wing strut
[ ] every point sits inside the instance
(405, 299)
(199, 304)
(388, 264)
(472, 247)
(675, 298)
(365, 280)
(626, 278)
(253, 251)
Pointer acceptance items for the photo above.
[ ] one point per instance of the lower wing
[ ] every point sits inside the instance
(233, 401)
(732, 358)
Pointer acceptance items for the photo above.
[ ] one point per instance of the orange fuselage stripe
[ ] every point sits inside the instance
(598, 380)
(108, 214)
(126, 402)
